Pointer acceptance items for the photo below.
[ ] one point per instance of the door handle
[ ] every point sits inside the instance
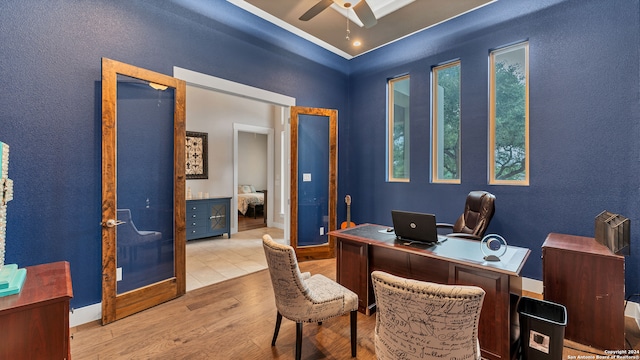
(112, 223)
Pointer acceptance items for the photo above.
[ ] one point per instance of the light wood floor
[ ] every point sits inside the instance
(234, 319)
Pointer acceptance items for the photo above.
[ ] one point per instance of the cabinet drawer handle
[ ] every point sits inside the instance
(194, 215)
(193, 231)
(194, 208)
(194, 224)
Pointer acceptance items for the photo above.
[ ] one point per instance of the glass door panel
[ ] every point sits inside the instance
(313, 181)
(145, 146)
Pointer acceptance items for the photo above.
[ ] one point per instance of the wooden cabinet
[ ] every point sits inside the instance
(35, 322)
(588, 279)
(208, 217)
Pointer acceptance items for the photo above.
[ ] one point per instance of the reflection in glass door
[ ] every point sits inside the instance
(144, 183)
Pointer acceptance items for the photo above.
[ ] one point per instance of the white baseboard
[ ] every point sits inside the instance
(532, 285)
(85, 314)
(633, 311)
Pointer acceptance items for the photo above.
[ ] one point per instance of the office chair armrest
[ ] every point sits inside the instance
(464, 236)
(444, 225)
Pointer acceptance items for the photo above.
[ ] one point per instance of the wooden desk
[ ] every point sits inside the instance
(35, 322)
(588, 279)
(367, 247)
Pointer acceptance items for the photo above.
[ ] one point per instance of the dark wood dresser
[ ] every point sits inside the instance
(588, 279)
(35, 322)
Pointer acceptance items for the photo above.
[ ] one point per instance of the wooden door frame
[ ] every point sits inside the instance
(314, 252)
(116, 306)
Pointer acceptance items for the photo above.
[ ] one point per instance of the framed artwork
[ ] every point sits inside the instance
(196, 155)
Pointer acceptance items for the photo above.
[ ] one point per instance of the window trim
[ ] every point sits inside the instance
(390, 122)
(434, 123)
(492, 114)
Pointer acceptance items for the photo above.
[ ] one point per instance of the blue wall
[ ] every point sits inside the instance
(50, 105)
(584, 112)
(584, 124)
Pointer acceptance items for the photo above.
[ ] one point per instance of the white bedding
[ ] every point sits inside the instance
(244, 200)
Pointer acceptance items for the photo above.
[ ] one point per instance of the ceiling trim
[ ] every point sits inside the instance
(283, 24)
(288, 27)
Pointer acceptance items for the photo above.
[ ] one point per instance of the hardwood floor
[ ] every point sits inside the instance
(248, 222)
(235, 319)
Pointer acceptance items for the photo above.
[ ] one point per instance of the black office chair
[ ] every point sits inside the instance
(473, 222)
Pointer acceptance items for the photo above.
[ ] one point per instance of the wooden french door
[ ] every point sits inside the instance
(314, 170)
(143, 196)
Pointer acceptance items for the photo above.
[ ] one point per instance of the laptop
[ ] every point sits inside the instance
(413, 226)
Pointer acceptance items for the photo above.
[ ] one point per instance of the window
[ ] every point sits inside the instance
(445, 123)
(398, 129)
(509, 115)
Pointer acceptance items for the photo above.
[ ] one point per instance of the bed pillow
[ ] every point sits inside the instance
(244, 189)
(253, 188)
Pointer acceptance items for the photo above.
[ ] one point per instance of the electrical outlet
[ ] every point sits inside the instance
(119, 274)
(322, 230)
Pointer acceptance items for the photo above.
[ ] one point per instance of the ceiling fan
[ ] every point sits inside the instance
(361, 8)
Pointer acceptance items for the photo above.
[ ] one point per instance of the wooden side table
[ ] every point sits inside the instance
(35, 322)
(588, 279)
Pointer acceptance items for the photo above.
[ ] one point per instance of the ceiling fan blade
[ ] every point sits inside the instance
(316, 9)
(365, 14)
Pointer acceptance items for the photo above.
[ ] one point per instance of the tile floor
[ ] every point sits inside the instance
(216, 259)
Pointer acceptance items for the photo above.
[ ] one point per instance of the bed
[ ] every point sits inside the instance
(249, 198)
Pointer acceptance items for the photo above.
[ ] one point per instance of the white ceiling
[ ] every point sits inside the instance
(396, 19)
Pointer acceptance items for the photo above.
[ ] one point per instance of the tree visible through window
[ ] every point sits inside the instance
(445, 123)
(398, 129)
(509, 116)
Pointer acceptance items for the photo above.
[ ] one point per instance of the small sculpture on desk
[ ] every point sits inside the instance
(493, 246)
(11, 278)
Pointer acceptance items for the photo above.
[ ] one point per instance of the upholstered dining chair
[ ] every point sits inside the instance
(303, 298)
(478, 211)
(423, 320)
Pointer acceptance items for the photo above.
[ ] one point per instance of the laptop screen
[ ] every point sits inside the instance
(414, 226)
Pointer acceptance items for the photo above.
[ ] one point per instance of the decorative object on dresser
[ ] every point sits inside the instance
(196, 155)
(11, 278)
(612, 231)
(208, 217)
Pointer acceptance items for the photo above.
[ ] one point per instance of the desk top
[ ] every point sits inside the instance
(461, 251)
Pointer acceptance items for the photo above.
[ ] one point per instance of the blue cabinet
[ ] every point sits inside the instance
(208, 217)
